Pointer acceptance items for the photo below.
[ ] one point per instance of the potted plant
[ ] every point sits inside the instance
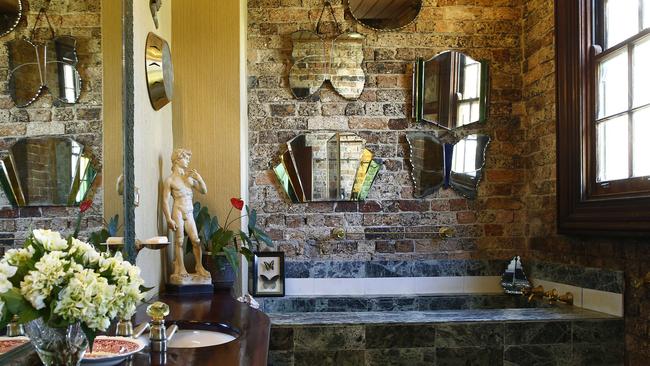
(64, 291)
(223, 244)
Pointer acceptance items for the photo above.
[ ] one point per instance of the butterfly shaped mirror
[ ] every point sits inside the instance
(327, 166)
(160, 71)
(450, 90)
(51, 171)
(316, 60)
(10, 14)
(36, 67)
(385, 14)
(435, 164)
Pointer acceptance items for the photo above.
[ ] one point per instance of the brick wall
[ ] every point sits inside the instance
(491, 226)
(82, 121)
(632, 256)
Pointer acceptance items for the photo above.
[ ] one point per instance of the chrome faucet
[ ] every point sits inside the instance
(15, 329)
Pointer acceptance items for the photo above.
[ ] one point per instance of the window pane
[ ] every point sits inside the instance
(641, 145)
(621, 21)
(612, 142)
(612, 85)
(641, 60)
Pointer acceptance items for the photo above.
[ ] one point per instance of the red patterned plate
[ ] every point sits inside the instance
(111, 350)
(9, 343)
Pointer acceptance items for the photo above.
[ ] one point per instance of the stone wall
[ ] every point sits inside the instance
(82, 121)
(632, 256)
(490, 227)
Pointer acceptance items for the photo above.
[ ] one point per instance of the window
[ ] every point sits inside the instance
(603, 106)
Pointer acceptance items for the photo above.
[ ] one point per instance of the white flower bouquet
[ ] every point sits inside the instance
(64, 282)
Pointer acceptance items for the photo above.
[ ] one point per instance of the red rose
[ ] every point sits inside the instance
(85, 205)
(237, 203)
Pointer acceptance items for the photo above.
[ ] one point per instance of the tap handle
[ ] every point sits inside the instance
(158, 311)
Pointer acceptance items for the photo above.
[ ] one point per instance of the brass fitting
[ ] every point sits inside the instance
(158, 334)
(566, 298)
(533, 292)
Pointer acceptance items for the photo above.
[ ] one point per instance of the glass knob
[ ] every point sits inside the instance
(158, 310)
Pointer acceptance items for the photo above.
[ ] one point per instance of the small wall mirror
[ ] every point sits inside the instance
(330, 166)
(31, 73)
(436, 164)
(10, 13)
(450, 90)
(385, 14)
(160, 71)
(50, 171)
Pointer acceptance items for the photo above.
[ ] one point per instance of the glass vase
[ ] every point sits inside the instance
(57, 346)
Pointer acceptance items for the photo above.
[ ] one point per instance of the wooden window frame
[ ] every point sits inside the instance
(582, 208)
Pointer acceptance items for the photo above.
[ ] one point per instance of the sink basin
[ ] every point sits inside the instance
(193, 334)
(192, 338)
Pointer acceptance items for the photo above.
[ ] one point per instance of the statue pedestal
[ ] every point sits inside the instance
(195, 289)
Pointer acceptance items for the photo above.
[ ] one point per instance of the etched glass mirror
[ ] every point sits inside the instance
(49, 171)
(435, 164)
(385, 14)
(10, 13)
(450, 90)
(327, 166)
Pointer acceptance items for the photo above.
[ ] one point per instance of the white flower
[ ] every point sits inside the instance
(2, 308)
(86, 251)
(51, 240)
(18, 257)
(87, 298)
(50, 271)
(6, 272)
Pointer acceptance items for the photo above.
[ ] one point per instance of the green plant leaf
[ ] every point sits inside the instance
(231, 255)
(144, 289)
(113, 225)
(90, 335)
(252, 218)
(263, 236)
(248, 254)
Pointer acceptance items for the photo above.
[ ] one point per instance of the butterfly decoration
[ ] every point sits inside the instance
(269, 283)
(316, 60)
(269, 265)
(36, 66)
(436, 164)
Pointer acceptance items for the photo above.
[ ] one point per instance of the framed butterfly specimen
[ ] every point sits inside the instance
(268, 274)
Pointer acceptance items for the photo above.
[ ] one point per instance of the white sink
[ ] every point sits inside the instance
(187, 338)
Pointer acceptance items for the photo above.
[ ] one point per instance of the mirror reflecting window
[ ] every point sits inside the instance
(435, 164)
(450, 90)
(10, 13)
(49, 171)
(385, 14)
(33, 68)
(327, 166)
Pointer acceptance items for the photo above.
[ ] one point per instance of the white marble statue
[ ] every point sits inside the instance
(180, 217)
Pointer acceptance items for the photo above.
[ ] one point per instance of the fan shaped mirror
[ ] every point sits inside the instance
(435, 164)
(160, 71)
(385, 14)
(450, 90)
(327, 166)
(10, 13)
(46, 172)
(35, 67)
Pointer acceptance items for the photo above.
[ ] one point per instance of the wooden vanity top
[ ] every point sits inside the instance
(249, 349)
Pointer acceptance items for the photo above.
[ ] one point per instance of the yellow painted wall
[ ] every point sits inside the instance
(112, 102)
(207, 94)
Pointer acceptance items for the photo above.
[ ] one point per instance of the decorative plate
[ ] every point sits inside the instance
(111, 350)
(9, 343)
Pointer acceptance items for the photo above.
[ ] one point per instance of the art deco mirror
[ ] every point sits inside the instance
(160, 71)
(52, 66)
(435, 164)
(50, 171)
(316, 61)
(327, 166)
(450, 90)
(10, 13)
(385, 14)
